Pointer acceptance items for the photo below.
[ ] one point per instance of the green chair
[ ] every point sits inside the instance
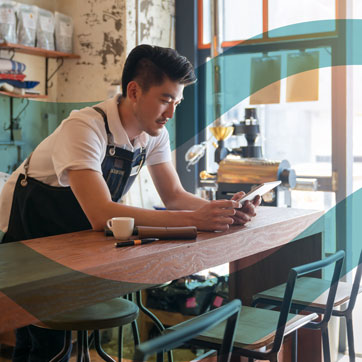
(228, 314)
(113, 313)
(311, 294)
(260, 332)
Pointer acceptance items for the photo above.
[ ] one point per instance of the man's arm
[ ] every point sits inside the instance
(175, 197)
(93, 195)
(172, 193)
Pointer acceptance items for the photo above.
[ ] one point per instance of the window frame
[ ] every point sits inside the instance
(265, 36)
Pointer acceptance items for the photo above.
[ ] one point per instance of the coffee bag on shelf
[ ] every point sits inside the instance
(45, 30)
(27, 21)
(63, 33)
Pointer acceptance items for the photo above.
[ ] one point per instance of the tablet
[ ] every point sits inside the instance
(259, 190)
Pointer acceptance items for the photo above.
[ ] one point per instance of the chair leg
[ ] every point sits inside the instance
(155, 320)
(91, 340)
(159, 357)
(351, 352)
(99, 349)
(120, 343)
(326, 350)
(85, 347)
(80, 346)
(295, 346)
(136, 335)
(67, 345)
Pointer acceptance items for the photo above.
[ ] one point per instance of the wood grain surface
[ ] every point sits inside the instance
(50, 275)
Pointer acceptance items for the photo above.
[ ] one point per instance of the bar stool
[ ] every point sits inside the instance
(113, 313)
(309, 287)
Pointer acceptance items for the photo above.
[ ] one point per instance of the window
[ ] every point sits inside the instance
(260, 19)
(299, 132)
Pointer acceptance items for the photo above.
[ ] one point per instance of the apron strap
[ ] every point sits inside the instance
(112, 149)
(24, 181)
(103, 114)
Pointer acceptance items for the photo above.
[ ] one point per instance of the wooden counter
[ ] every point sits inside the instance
(42, 277)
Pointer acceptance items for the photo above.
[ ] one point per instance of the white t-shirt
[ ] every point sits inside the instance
(80, 143)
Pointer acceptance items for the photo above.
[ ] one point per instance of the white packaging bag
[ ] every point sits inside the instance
(27, 21)
(63, 33)
(7, 21)
(45, 30)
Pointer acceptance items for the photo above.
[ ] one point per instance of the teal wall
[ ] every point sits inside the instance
(37, 121)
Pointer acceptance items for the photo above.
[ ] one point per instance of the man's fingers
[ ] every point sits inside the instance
(249, 208)
(225, 212)
(257, 200)
(239, 195)
(221, 227)
(224, 204)
(242, 216)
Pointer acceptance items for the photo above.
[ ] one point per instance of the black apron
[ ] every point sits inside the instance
(40, 210)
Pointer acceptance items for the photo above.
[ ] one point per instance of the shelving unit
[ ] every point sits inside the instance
(15, 95)
(47, 54)
(19, 48)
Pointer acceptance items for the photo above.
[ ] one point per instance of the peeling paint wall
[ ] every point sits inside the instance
(156, 27)
(99, 38)
(156, 23)
(104, 33)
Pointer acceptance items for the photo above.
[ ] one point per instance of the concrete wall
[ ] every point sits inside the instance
(99, 38)
(104, 33)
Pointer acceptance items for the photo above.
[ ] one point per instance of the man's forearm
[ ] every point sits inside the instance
(186, 201)
(142, 216)
(209, 216)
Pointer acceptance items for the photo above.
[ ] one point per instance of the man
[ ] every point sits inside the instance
(74, 178)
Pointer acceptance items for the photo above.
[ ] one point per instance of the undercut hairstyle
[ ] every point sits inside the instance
(150, 65)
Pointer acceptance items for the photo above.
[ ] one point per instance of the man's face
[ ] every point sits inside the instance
(156, 106)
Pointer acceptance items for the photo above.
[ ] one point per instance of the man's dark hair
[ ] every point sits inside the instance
(149, 65)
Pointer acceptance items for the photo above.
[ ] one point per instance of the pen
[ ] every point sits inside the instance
(135, 242)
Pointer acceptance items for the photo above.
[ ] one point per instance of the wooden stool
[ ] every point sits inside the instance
(113, 313)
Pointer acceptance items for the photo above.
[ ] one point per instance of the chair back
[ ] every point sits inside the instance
(189, 329)
(356, 284)
(297, 272)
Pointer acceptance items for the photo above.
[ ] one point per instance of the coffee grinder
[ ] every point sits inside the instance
(242, 168)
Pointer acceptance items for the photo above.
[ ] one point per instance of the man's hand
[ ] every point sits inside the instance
(215, 216)
(247, 211)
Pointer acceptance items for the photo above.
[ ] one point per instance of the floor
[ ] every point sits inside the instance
(179, 355)
(110, 347)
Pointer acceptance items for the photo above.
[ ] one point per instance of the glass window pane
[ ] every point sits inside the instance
(242, 19)
(291, 12)
(357, 127)
(206, 21)
(299, 132)
(355, 74)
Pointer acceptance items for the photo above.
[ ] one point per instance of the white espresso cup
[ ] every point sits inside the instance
(122, 227)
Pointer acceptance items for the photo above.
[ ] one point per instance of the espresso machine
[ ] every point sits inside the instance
(243, 168)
